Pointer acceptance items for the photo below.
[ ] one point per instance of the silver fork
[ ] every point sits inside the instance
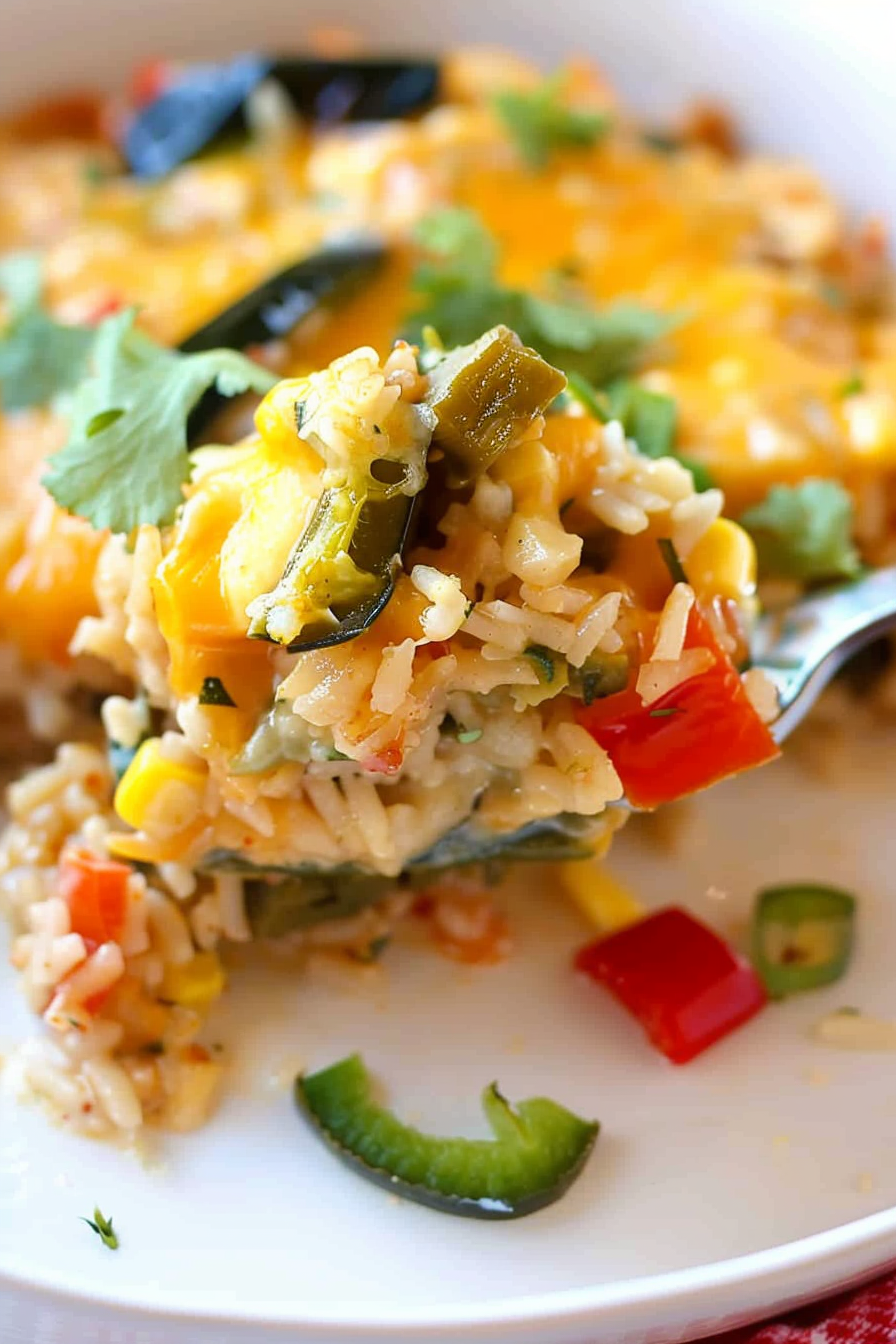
(802, 646)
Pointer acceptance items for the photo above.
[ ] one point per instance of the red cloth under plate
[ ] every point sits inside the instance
(865, 1316)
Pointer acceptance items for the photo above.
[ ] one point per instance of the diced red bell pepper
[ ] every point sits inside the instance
(682, 982)
(95, 891)
(700, 732)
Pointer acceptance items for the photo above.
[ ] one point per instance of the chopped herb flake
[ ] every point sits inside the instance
(123, 469)
(214, 692)
(852, 386)
(662, 142)
(665, 712)
(544, 662)
(673, 562)
(804, 532)
(373, 951)
(540, 121)
(468, 735)
(103, 1228)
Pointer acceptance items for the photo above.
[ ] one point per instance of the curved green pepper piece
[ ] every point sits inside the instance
(485, 396)
(271, 310)
(538, 1150)
(342, 571)
(802, 936)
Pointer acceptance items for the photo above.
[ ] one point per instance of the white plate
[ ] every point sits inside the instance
(766, 1139)
(759, 1175)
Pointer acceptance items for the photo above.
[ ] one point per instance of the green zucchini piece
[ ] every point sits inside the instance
(537, 1151)
(485, 396)
(802, 936)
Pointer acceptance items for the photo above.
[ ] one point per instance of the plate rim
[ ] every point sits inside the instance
(772, 1268)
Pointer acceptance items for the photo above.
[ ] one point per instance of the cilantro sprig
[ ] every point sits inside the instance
(541, 121)
(127, 454)
(103, 1229)
(804, 532)
(649, 418)
(462, 297)
(39, 357)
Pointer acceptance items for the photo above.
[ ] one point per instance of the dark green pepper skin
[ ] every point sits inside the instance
(208, 102)
(538, 1150)
(281, 900)
(485, 395)
(271, 310)
(385, 528)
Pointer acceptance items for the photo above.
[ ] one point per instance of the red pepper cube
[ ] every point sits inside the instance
(700, 732)
(681, 981)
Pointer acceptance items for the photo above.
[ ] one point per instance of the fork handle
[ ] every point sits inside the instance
(801, 648)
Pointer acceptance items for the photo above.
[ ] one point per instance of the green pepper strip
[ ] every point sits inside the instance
(486, 395)
(280, 900)
(538, 1150)
(802, 936)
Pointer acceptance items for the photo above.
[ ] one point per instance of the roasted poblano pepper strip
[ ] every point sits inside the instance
(537, 1151)
(272, 309)
(802, 936)
(485, 396)
(208, 102)
(341, 573)
(282, 899)
(277, 908)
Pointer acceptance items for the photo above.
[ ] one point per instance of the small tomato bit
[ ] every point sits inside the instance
(682, 982)
(466, 926)
(95, 891)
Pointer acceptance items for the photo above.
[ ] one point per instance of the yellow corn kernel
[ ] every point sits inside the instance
(155, 787)
(602, 899)
(196, 984)
(723, 563)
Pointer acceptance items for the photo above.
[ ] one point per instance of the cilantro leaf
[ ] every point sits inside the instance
(463, 251)
(462, 298)
(127, 456)
(540, 121)
(804, 532)
(20, 281)
(104, 1230)
(650, 418)
(38, 356)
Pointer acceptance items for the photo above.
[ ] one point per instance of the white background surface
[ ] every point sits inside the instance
(737, 1154)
